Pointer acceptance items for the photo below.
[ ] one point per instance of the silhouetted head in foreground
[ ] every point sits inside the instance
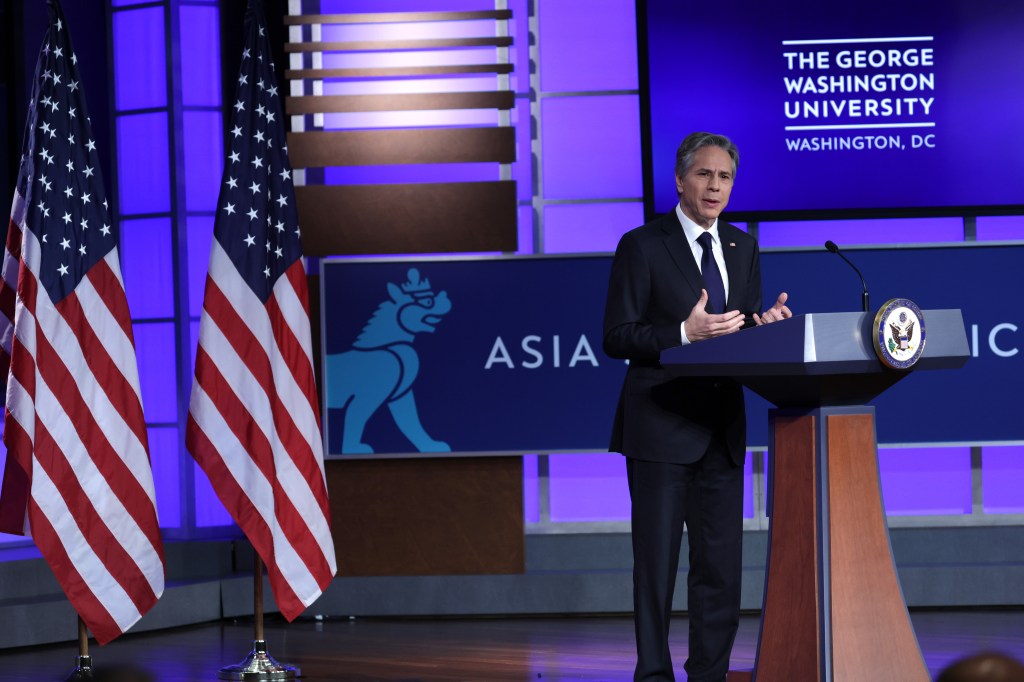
(985, 667)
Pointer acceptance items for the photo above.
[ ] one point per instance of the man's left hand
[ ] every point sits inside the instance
(777, 312)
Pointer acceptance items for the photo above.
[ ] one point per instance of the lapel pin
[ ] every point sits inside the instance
(732, 243)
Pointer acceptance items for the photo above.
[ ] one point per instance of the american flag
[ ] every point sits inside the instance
(254, 422)
(78, 476)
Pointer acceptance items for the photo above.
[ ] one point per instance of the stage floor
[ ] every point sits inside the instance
(477, 650)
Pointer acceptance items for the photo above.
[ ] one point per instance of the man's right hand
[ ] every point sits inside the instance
(702, 325)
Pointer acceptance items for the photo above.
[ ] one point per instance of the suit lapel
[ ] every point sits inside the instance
(675, 242)
(733, 263)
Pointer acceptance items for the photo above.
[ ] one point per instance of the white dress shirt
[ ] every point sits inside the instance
(692, 231)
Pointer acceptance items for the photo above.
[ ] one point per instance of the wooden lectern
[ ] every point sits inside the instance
(833, 606)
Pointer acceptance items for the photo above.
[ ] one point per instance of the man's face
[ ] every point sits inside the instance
(704, 191)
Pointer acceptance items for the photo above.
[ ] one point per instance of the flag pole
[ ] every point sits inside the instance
(258, 665)
(83, 662)
(257, 597)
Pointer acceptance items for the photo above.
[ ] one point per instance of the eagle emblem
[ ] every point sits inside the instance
(900, 337)
(899, 333)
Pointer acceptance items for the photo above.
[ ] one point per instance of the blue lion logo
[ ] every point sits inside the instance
(382, 365)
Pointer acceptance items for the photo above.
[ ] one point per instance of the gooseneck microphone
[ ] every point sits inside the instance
(831, 247)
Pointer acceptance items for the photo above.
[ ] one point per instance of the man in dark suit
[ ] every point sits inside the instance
(683, 278)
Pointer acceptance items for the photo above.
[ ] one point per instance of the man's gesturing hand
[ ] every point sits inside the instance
(701, 325)
(777, 312)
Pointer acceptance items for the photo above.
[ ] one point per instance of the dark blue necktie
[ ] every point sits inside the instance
(712, 275)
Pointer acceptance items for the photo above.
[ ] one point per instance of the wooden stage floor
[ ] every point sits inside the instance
(476, 650)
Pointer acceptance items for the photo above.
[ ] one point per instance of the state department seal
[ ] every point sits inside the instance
(899, 333)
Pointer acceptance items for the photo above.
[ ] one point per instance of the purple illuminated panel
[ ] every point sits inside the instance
(748, 487)
(522, 168)
(155, 348)
(143, 168)
(525, 226)
(579, 228)
(1002, 479)
(140, 57)
(209, 510)
(1000, 228)
(520, 53)
(588, 487)
(147, 267)
(6, 539)
(591, 147)
(411, 119)
(925, 481)
(417, 30)
(204, 159)
(164, 457)
(531, 507)
(366, 60)
(398, 174)
(200, 239)
(369, 6)
(847, 232)
(584, 46)
(200, 55)
(468, 83)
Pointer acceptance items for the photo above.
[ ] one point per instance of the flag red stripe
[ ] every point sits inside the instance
(248, 431)
(296, 274)
(105, 281)
(110, 465)
(291, 349)
(14, 493)
(102, 625)
(14, 240)
(244, 513)
(236, 331)
(109, 376)
(105, 545)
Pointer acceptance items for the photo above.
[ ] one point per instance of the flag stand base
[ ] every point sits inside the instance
(258, 666)
(82, 671)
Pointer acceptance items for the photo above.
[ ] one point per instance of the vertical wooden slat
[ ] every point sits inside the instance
(873, 638)
(790, 646)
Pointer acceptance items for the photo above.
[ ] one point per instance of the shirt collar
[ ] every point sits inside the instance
(692, 230)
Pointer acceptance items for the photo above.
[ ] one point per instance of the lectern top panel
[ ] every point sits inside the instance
(816, 359)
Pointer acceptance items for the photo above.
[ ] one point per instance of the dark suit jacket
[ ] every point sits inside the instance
(655, 283)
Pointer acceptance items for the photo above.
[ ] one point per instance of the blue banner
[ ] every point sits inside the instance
(503, 355)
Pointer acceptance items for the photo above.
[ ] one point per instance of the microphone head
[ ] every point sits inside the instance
(831, 246)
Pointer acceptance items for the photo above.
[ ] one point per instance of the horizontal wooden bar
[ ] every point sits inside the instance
(403, 146)
(408, 218)
(394, 17)
(314, 104)
(398, 45)
(397, 71)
